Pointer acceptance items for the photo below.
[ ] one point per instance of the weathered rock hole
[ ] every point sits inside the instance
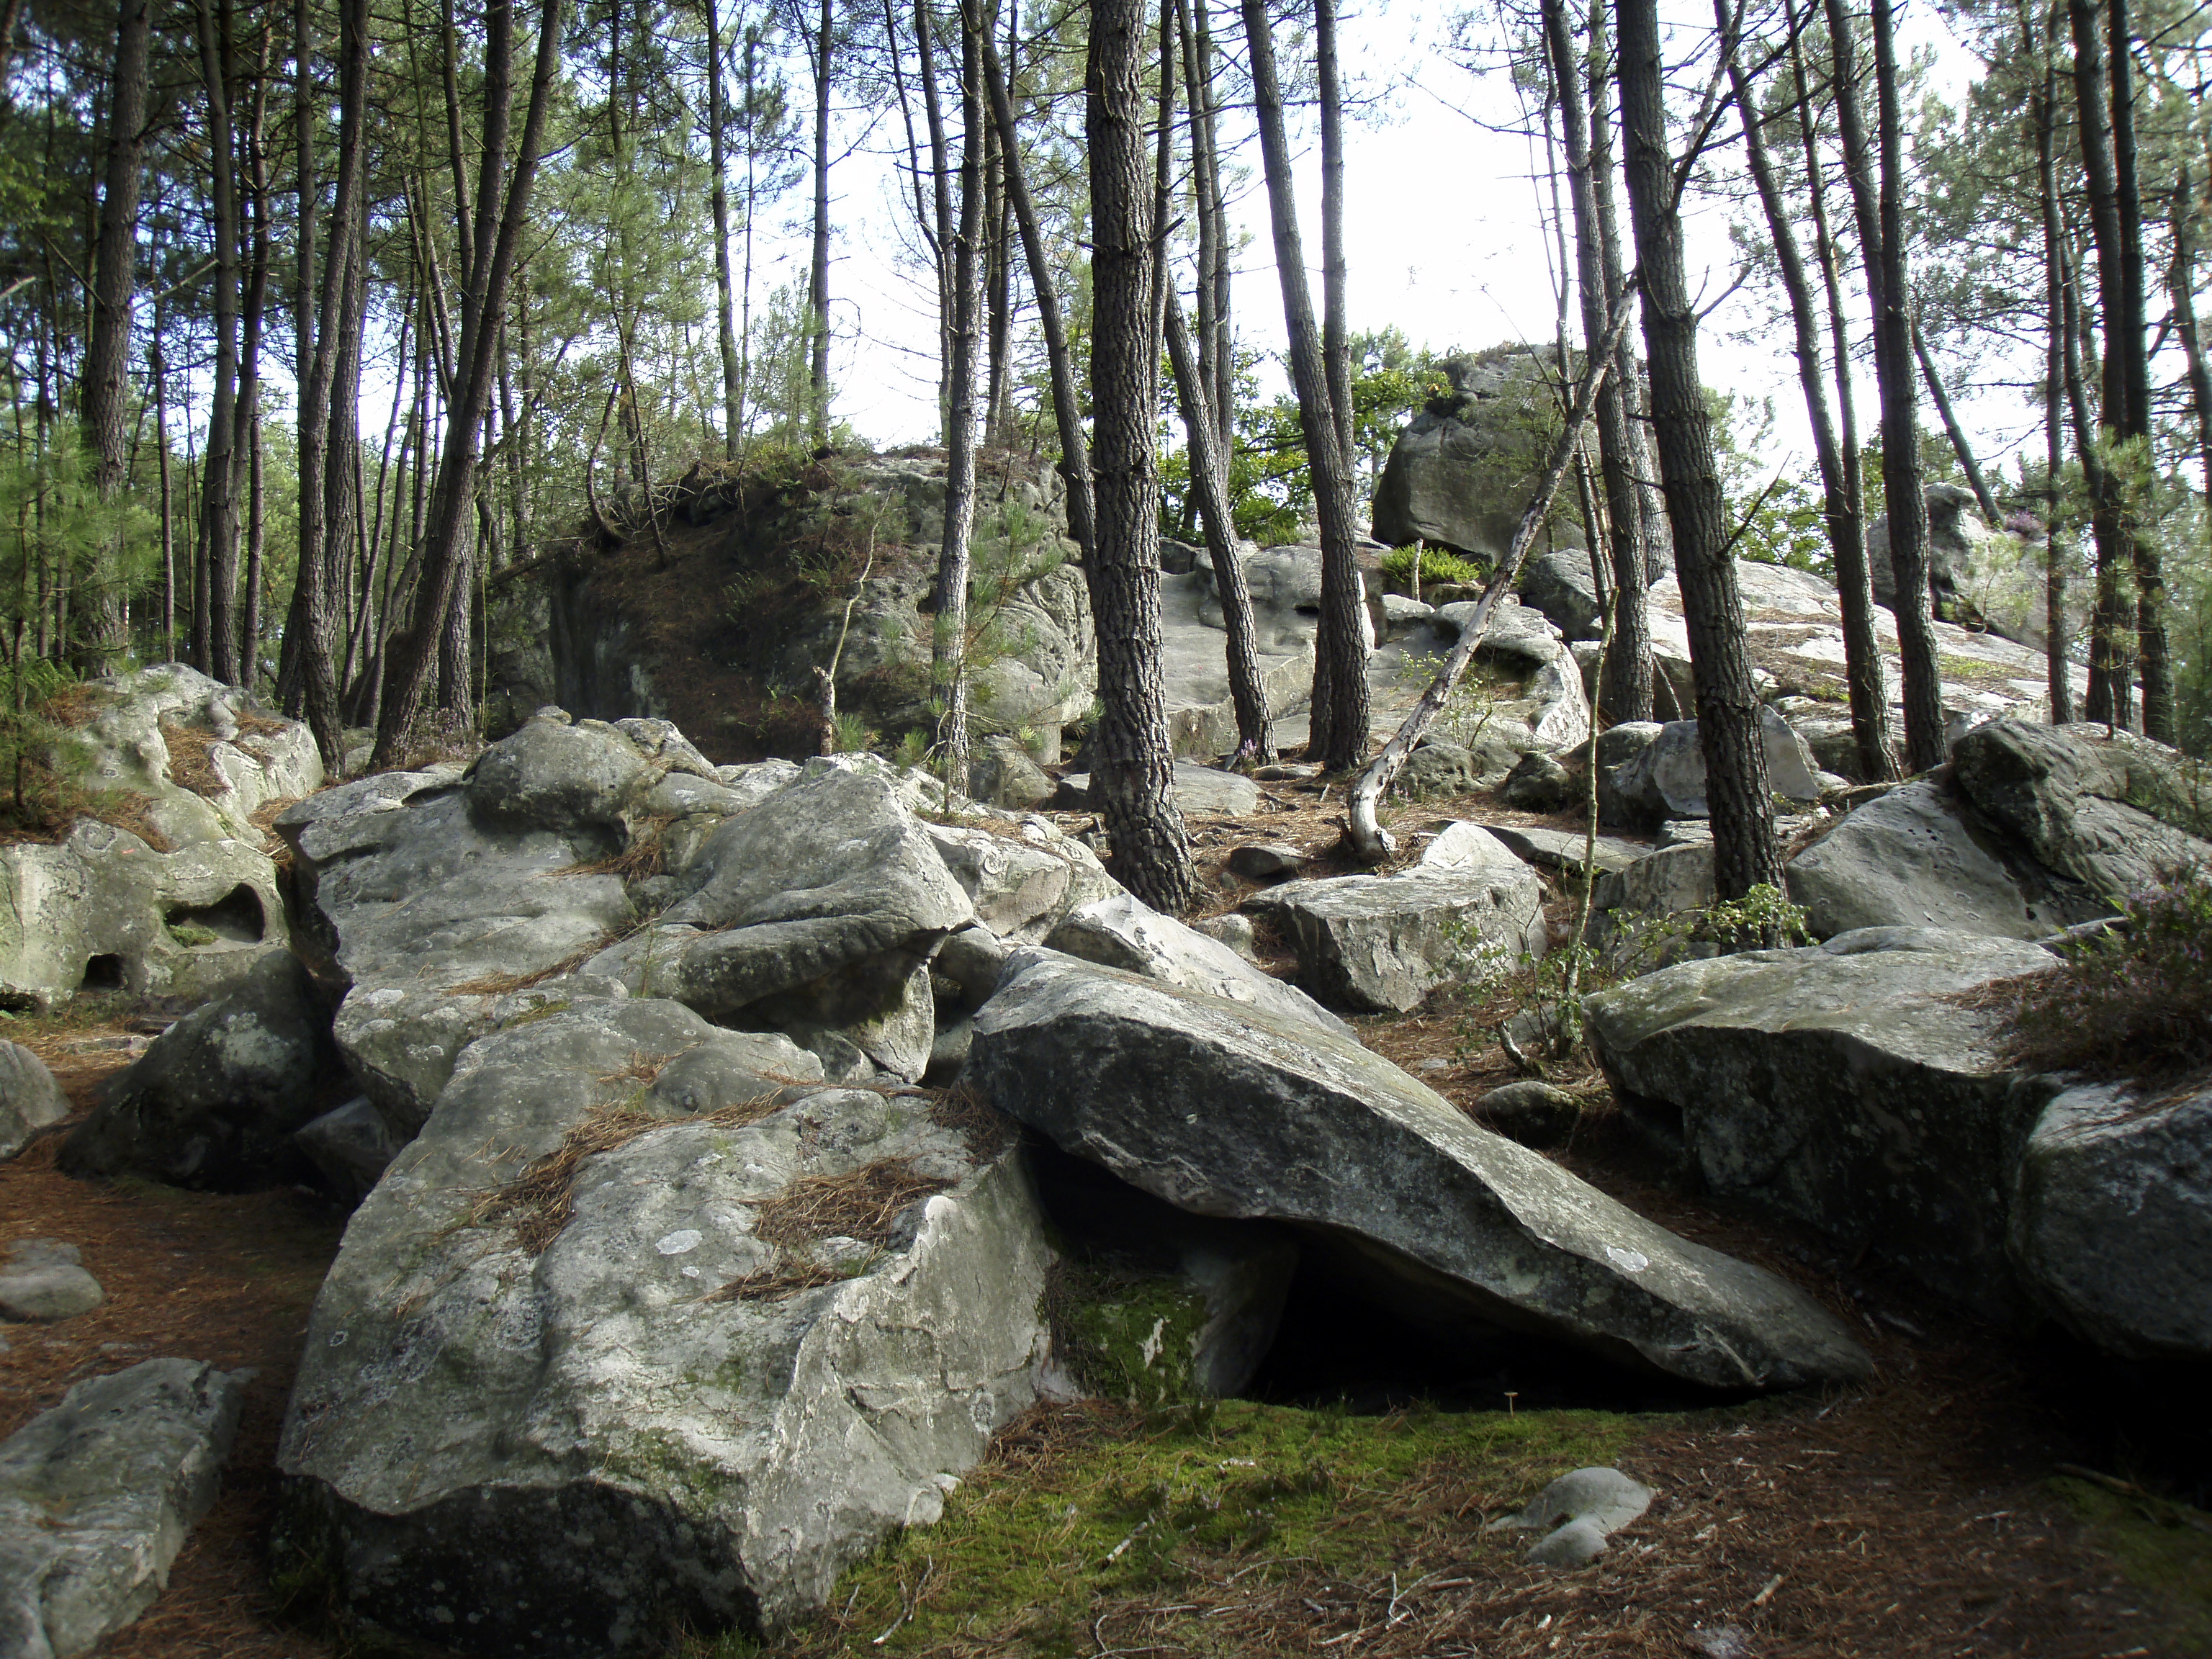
(237, 916)
(102, 973)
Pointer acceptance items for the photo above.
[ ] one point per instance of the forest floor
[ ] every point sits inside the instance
(1960, 1504)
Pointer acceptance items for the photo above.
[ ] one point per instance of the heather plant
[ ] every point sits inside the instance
(2133, 1001)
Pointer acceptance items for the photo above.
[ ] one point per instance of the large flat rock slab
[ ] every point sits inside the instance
(96, 1497)
(1224, 1109)
(648, 1331)
(1849, 1087)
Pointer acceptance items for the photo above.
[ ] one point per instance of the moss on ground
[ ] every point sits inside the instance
(1063, 1520)
(2162, 1548)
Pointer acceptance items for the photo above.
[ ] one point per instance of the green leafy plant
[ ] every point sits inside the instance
(1436, 566)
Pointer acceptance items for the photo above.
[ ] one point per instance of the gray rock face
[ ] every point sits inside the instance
(1381, 943)
(214, 1100)
(1538, 784)
(30, 1099)
(351, 1145)
(1844, 1087)
(424, 912)
(1565, 850)
(45, 1280)
(1003, 774)
(1977, 577)
(1666, 779)
(1462, 471)
(96, 1497)
(1197, 789)
(1533, 1112)
(817, 912)
(1022, 884)
(1910, 858)
(2112, 1221)
(1224, 1111)
(1558, 584)
(1122, 932)
(766, 1323)
(2117, 813)
(1440, 767)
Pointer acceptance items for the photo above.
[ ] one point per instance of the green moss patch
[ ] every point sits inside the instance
(2160, 1546)
(1085, 1509)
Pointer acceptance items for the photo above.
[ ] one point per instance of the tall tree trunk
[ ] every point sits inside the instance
(250, 377)
(734, 418)
(2059, 676)
(1879, 210)
(1074, 461)
(2181, 281)
(216, 626)
(106, 387)
(1133, 774)
(2110, 667)
(1745, 854)
(1341, 712)
(445, 548)
(1846, 529)
(939, 233)
(818, 281)
(1247, 691)
(1336, 339)
(1624, 693)
(949, 659)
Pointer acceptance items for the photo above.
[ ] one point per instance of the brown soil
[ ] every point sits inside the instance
(227, 1280)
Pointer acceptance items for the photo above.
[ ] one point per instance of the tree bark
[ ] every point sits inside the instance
(445, 548)
(2059, 675)
(1133, 774)
(1625, 691)
(1336, 337)
(1341, 704)
(1745, 854)
(215, 605)
(717, 116)
(818, 282)
(2112, 514)
(2181, 279)
(949, 659)
(1841, 511)
(1255, 740)
(1067, 412)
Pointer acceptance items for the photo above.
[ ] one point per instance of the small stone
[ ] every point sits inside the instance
(1232, 930)
(47, 1290)
(1288, 772)
(38, 1252)
(1434, 1065)
(1722, 1642)
(1533, 1112)
(1576, 1544)
(1264, 861)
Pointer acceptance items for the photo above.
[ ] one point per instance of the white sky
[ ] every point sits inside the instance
(1443, 227)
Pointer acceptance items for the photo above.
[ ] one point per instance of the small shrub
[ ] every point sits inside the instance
(1436, 567)
(2135, 1001)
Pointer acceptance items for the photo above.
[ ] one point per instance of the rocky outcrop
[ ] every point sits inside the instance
(1977, 577)
(648, 1331)
(213, 1102)
(1849, 1087)
(1666, 779)
(1224, 1110)
(30, 1099)
(1463, 470)
(2111, 1216)
(186, 910)
(1381, 943)
(1916, 857)
(2115, 812)
(97, 1498)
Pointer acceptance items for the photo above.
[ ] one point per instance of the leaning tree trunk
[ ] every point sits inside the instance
(1067, 410)
(215, 605)
(1846, 528)
(1745, 854)
(1961, 447)
(1340, 706)
(1133, 774)
(1625, 689)
(1209, 484)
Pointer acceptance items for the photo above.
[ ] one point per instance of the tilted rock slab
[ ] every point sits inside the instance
(1224, 1109)
(577, 1449)
(1845, 1087)
(96, 1497)
(30, 1099)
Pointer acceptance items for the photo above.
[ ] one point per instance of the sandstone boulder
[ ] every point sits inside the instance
(30, 1099)
(1224, 1110)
